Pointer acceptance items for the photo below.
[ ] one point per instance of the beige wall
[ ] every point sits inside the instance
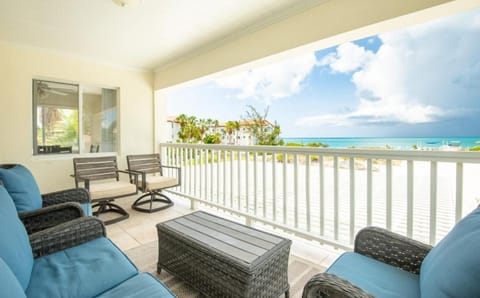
(328, 24)
(18, 65)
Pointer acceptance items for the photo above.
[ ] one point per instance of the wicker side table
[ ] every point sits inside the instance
(221, 258)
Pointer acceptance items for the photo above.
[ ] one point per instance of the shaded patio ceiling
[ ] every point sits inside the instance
(151, 35)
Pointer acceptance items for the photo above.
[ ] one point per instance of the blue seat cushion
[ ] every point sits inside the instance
(21, 185)
(9, 283)
(452, 267)
(81, 271)
(15, 247)
(87, 209)
(142, 285)
(374, 277)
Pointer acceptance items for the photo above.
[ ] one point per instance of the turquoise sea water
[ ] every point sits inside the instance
(394, 143)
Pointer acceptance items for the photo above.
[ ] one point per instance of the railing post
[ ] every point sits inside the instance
(193, 204)
(433, 202)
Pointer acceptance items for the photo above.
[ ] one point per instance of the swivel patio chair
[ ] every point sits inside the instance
(22, 187)
(152, 181)
(100, 176)
(385, 264)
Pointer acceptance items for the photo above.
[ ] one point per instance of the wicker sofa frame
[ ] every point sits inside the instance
(379, 244)
(51, 216)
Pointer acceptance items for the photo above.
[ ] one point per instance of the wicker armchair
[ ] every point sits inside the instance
(22, 186)
(390, 265)
(378, 244)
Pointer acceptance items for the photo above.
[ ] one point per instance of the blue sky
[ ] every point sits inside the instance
(421, 81)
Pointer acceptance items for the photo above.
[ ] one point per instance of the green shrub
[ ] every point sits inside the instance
(293, 145)
(317, 145)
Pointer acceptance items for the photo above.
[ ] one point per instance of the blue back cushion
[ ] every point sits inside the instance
(15, 247)
(21, 185)
(452, 268)
(9, 283)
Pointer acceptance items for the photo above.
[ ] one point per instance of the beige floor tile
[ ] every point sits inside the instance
(124, 241)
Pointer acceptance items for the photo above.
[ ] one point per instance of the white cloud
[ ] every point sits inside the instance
(348, 57)
(272, 81)
(418, 75)
(376, 113)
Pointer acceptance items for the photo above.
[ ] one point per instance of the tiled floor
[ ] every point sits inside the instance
(137, 237)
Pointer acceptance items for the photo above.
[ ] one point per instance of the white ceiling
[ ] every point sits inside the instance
(150, 36)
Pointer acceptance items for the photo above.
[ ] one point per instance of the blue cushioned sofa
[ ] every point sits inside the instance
(71, 259)
(385, 264)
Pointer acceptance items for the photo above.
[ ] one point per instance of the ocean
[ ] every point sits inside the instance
(394, 143)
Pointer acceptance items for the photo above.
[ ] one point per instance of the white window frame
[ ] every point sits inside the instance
(81, 142)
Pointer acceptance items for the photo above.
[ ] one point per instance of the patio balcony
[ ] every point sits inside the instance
(328, 195)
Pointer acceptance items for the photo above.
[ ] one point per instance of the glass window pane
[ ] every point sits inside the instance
(99, 120)
(55, 117)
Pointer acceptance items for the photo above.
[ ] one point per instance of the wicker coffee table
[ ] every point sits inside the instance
(221, 258)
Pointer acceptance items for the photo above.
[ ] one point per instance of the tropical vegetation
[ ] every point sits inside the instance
(197, 130)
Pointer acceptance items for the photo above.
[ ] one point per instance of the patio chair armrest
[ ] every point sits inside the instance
(66, 235)
(130, 172)
(391, 248)
(179, 172)
(171, 167)
(47, 217)
(135, 176)
(330, 285)
(79, 195)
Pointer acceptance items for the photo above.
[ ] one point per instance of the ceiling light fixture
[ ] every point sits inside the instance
(128, 3)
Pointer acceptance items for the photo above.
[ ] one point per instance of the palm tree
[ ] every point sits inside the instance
(230, 127)
(236, 127)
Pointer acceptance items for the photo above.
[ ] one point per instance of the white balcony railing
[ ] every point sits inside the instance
(329, 194)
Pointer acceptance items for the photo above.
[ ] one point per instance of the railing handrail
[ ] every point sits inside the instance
(415, 155)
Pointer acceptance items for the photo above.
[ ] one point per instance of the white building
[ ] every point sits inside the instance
(241, 137)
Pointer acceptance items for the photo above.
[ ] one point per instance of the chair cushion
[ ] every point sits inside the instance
(81, 271)
(21, 185)
(452, 267)
(9, 283)
(87, 209)
(15, 247)
(142, 285)
(376, 278)
(158, 182)
(111, 189)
